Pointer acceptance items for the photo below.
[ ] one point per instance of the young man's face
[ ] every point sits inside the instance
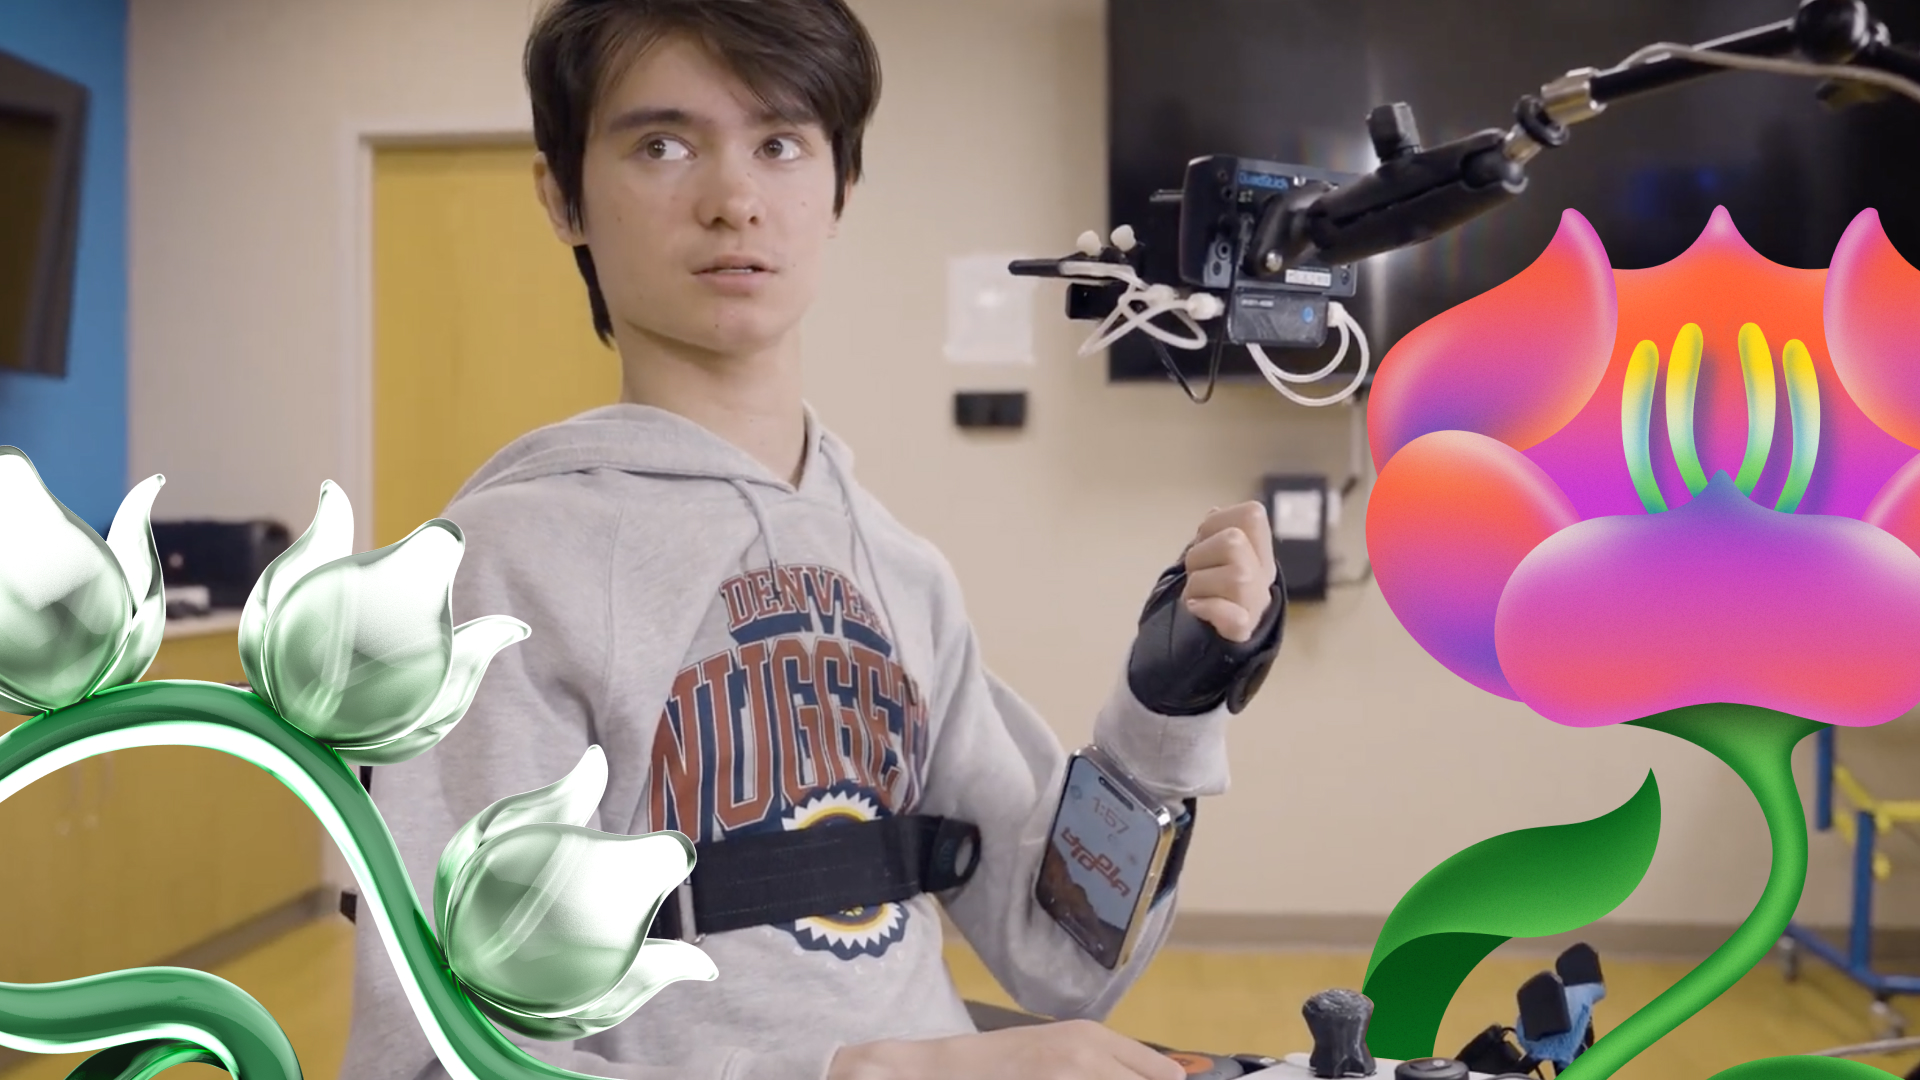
(707, 218)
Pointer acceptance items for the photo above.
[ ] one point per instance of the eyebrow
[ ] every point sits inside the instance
(677, 117)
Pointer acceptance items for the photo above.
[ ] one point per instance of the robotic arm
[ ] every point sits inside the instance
(1264, 252)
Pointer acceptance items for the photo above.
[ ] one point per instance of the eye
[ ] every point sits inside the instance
(665, 148)
(791, 149)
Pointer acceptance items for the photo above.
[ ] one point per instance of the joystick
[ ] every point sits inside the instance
(1338, 1021)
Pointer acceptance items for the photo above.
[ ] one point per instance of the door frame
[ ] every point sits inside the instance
(358, 144)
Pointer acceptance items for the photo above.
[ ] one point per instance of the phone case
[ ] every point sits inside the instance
(1119, 869)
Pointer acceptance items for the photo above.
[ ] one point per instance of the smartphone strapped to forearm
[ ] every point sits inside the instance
(1114, 851)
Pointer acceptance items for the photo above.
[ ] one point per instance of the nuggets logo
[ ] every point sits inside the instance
(846, 934)
(806, 720)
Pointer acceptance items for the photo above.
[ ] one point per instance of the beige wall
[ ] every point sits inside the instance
(1362, 765)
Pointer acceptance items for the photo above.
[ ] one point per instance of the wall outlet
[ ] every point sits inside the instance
(1300, 508)
(980, 409)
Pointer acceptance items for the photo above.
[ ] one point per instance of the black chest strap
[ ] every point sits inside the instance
(780, 876)
(787, 874)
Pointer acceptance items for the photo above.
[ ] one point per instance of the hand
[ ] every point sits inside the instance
(1069, 1050)
(1230, 571)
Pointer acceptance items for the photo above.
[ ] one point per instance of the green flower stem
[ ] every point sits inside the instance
(147, 1015)
(1757, 744)
(141, 1060)
(178, 713)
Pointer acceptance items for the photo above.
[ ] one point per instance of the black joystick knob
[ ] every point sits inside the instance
(1431, 1069)
(1338, 1021)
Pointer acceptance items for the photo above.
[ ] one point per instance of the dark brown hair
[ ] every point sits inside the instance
(804, 59)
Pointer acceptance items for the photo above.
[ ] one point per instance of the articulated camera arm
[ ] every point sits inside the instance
(1265, 251)
(1417, 193)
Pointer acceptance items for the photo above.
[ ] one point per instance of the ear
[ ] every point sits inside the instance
(547, 190)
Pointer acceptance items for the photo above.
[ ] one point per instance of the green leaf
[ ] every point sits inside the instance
(1514, 885)
(1412, 987)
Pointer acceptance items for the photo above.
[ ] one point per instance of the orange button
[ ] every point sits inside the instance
(1195, 1064)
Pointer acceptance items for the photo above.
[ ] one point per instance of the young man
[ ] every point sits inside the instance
(757, 645)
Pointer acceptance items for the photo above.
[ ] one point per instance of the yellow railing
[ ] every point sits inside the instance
(1886, 814)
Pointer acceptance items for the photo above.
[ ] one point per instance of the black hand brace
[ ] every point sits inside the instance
(1181, 666)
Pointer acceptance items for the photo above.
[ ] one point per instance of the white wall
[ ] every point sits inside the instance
(1363, 764)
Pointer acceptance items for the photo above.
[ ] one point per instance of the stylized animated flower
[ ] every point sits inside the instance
(545, 921)
(1754, 582)
(78, 615)
(1527, 534)
(360, 651)
(351, 657)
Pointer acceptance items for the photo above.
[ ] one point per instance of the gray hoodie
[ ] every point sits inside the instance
(669, 579)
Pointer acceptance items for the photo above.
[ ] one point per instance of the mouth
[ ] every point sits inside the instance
(735, 267)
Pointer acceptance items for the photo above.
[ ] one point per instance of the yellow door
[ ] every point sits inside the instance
(481, 327)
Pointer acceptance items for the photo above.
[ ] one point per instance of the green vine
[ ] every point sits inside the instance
(148, 1019)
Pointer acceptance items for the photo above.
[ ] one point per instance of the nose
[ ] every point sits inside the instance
(732, 196)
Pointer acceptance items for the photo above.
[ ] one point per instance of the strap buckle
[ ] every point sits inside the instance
(954, 855)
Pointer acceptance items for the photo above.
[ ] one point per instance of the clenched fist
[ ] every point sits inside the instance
(1230, 571)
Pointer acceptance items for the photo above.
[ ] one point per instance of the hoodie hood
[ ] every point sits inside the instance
(648, 441)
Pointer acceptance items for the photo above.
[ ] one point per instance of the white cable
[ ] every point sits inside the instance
(1340, 317)
(1142, 303)
(1782, 67)
(1152, 300)
(1346, 339)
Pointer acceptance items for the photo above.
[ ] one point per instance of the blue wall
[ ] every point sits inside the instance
(75, 429)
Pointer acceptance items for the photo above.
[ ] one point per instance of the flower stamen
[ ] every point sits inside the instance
(1636, 416)
(1803, 399)
(1683, 380)
(1756, 370)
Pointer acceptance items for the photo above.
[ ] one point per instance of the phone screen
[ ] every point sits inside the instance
(1099, 859)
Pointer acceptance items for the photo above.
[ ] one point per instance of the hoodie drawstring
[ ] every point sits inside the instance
(863, 550)
(766, 533)
(861, 547)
